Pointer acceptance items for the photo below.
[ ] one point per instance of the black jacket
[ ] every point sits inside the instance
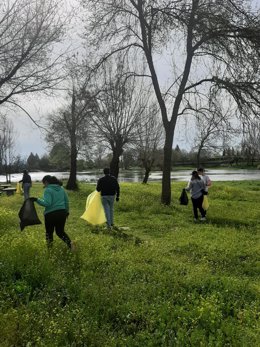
(108, 185)
(26, 178)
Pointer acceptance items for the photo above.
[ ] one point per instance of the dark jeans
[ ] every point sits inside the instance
(26, 190)
(108, 204)
(56, 220)
(197, 204)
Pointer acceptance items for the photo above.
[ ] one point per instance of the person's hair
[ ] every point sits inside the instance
(25, 171)
(106, 171)
(200, 169)
(195, 175)
(51, 180)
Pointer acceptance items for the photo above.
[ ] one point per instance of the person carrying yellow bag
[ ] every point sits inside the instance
(208, 183)
(109, 188)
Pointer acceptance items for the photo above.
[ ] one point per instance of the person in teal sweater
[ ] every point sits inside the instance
(56, 203)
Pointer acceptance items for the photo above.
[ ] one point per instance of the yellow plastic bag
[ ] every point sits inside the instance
(94, 213)
(205, 204)
(18, 188)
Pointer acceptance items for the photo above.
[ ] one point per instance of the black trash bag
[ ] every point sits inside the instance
(28, 214)
(184, 197)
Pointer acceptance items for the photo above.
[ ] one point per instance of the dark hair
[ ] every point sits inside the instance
(51, 180)
(25, 171)
(195, 175)
(200, 169)
(106, 171)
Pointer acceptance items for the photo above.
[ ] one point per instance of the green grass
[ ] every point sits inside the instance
(161, 281)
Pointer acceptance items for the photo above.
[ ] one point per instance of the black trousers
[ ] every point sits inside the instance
(197, 204)
(56, 220)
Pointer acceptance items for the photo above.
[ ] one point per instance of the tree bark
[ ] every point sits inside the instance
(167, 161)
(72, 182)
(146, 175)
(114, 164)
(198, 157)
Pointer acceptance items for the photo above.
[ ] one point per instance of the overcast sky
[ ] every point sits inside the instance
(30, 139)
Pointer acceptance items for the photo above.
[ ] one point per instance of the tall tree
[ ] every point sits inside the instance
(251, 142)
(211, 44)
(59, 156)
(119, 105)
(29, 30)
(7, 141)
(150, 138)
(70, 126)
(213, 124)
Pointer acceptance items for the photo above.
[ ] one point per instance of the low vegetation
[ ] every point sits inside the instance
(161, 280)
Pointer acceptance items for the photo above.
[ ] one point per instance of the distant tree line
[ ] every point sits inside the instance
(57, 160)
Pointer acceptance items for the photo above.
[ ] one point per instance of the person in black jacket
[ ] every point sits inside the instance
(26, 184)
(109, 188)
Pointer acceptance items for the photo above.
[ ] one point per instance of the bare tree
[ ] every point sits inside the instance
(29, 30)
(119, 105)
(70, 126)
(150, 138)
(213, 124)
(214, 44)
(251, 142)
(7, 141)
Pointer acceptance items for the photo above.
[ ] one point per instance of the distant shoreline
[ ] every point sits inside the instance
(91, 176)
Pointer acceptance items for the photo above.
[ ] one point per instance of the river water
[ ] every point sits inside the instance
(137, 175)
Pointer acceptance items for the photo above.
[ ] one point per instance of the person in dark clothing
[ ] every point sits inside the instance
(196, 186)
(109, 188)
(56, 203)
(26, 184)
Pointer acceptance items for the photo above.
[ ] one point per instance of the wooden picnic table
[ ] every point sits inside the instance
(5, 185)
(9, 191)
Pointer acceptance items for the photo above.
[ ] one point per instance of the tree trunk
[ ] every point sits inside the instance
(198, 158)
(167, 160)
(114, 165)
(146, 175)
(72, 182)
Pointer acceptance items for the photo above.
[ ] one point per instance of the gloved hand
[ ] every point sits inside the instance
(34, 199)
(117, 198)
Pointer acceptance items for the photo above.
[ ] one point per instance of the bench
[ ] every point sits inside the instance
(9, 191)
(3, 186)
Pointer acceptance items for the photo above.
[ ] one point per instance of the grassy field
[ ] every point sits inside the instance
(162, 281)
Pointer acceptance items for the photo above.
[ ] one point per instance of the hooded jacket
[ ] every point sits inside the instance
(55, 198)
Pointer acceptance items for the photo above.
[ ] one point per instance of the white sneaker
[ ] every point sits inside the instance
(203, 219)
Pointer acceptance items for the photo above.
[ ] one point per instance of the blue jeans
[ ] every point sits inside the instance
(108, 204)
(26, 190)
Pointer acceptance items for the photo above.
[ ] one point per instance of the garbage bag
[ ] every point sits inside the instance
(19, 188)
(94, 213)
(28, 214)
(205, 204)
(184, 197)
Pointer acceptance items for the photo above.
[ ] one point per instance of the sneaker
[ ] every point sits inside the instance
(203, 219)
(195, 219)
